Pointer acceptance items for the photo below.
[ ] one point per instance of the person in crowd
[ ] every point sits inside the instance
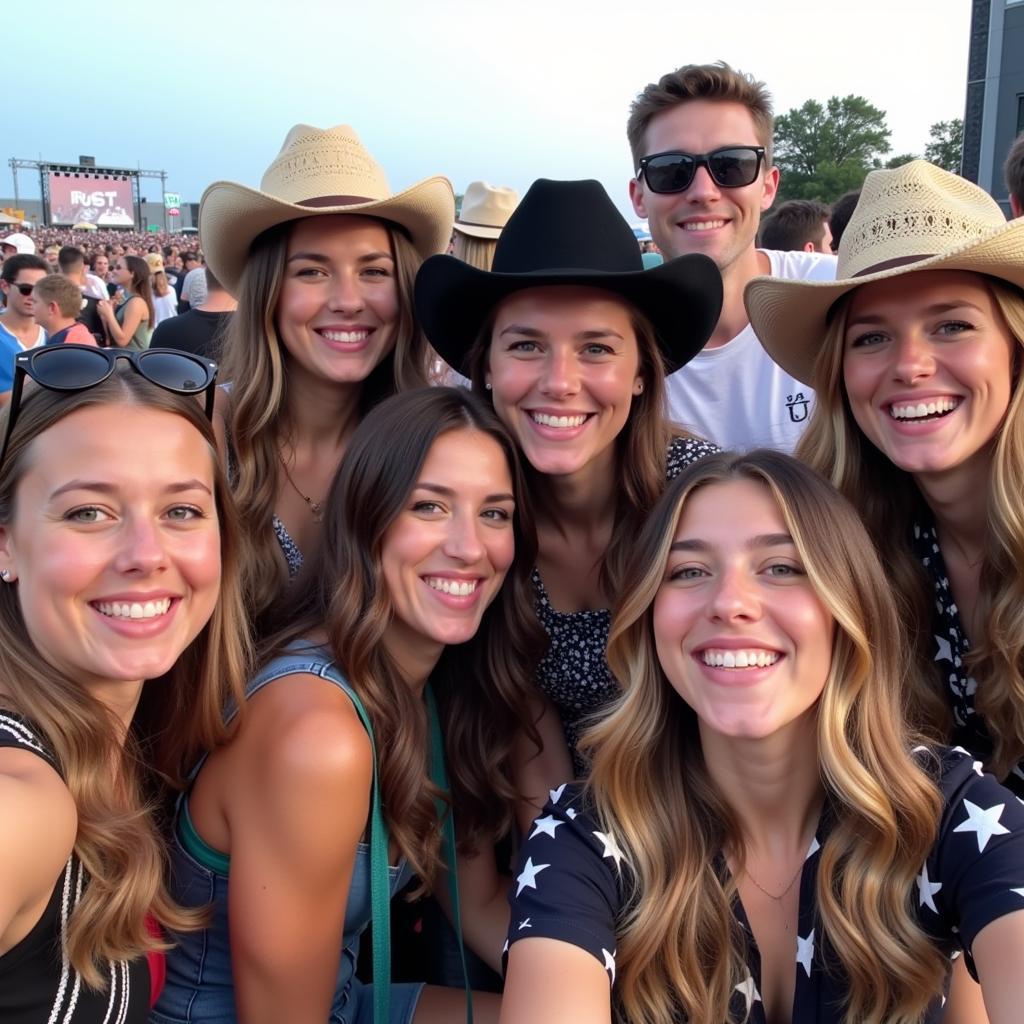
(93, 290)
(101, 266)
(571, 340)
(52, 256)
(798, 225)
(193, 288)
(56, 305)
(123, 627)
(701, 139)
(200, 330)
(421, 593)
(131, 324)
(485, 211)
(1013, 171)
(17, 244)
(190, 261)
(18, 328)
(165, 303)
(322, 264)
(762, 838)
(916, 359)
(842, 211)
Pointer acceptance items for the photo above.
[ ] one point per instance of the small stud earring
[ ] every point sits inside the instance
(640, 388)
(5, 575)
(488, 385)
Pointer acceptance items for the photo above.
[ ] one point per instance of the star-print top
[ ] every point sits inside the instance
(951, 647)
(573, 880)
(574, 673)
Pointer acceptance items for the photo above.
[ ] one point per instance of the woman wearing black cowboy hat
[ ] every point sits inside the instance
(572, 339)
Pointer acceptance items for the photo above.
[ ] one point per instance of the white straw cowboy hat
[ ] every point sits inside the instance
(916, 217)
(318, 171)
(485, 209)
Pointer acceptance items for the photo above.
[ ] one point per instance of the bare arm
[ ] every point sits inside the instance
(999, 957)
(965, 1004)
(297, 812)
(537, 773)
(553, 982)
(121, 334)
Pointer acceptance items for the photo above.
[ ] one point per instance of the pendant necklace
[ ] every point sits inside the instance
(316, 507)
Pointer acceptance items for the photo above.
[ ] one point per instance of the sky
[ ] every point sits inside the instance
(505, 93)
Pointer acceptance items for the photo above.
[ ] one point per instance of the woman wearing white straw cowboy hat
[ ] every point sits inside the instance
(322, 259)
(570, 338)
(485, 211)
(915, 354)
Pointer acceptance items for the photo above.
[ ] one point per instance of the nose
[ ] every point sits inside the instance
(462, 541)
(703, 186)
(561, 373)
(142, 550)
(734, 597)
(346, 294)
(913, 359)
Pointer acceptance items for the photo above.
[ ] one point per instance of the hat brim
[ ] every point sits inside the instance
(681, 298)
(232, 216)
(477, 230)
(790, 317)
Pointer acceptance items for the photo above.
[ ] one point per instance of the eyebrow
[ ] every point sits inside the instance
(102, 487)
(762, 540)
(319, 257)
(937, 308)
(533, 332)
(447, 492)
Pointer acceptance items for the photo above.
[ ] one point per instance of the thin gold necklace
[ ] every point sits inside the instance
(316, 507)
(782, 895)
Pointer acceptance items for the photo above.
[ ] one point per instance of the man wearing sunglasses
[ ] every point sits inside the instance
(701, 140)
(18, 328)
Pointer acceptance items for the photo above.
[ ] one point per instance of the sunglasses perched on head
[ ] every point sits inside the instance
(674, 171)
(79, 367)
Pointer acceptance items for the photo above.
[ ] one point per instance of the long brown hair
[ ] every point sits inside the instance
(256, 364)
(680, 947)
(140, 286)
(640, 449)
(179, 715)
(482, 686)
(890, 504)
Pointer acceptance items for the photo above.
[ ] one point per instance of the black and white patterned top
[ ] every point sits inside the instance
(574, 673)
(951, 647)
(37, 981)
(573, 881)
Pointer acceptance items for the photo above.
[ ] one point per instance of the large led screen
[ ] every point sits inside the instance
(88, 199)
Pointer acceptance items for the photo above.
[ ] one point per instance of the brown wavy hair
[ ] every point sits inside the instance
(680, 948)
(255, 362)
(482, 686)
(641, 447)
(179, 714)
(890, 504)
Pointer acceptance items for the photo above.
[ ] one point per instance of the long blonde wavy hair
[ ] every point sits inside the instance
(680, 949)
(889, 502)
(255, 363)
(179, 714)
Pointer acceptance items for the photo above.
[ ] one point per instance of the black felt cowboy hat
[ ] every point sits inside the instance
(562, 233)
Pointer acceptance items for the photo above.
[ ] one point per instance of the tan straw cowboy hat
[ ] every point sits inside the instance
(485, 209)
(318, 171)
(914, 218)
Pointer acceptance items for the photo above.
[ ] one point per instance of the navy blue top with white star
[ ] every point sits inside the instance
(951, 647)
(573, 878)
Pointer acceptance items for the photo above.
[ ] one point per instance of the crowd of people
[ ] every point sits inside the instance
(597, 638)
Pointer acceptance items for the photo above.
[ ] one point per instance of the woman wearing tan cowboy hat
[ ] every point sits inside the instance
(321, 259)
(915, 353)
(485, 211)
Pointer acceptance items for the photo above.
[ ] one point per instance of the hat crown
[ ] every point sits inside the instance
(566, 225)
(324, 163)
(486, 205)
(910, 213)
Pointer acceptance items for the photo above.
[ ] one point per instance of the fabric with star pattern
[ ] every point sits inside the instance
(951, 647)
(573, 881)
(574, 674)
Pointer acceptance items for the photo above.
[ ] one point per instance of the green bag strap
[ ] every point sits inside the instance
(439, 776)
(380, 887)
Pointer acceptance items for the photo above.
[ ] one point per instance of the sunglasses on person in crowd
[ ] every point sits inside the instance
(25, 289)
(79, 367)
(674, 170)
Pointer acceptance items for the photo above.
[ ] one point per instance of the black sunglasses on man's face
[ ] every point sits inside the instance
(674, 170)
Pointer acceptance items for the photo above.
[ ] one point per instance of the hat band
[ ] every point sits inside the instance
(336, 201)
(899, 261)
(477, 224)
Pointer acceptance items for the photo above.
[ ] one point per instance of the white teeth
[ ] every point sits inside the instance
(756, 658)
(564, 422)
(703, 225)
(912, 411)
(345, 337)
(459, 588)
(134, 609)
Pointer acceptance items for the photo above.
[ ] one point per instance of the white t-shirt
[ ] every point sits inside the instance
(193, 291)
(164, 307)
(735, 395)
(94, 287)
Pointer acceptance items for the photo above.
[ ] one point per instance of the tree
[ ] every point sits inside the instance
(946, 145)
(824, 151)
(899, 160)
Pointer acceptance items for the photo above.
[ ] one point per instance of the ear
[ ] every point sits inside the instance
(636, 197)
(771, 188)
(1016, 207)
(810, 247)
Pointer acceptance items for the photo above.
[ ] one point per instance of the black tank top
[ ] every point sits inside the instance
(37, 983)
